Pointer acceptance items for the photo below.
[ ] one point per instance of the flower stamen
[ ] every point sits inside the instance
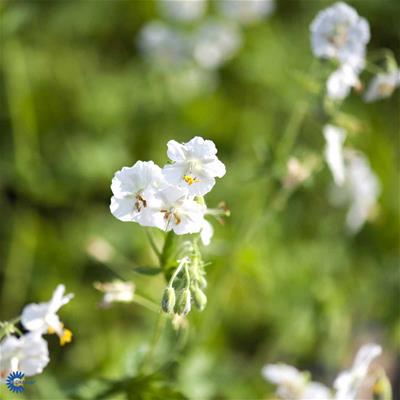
(190, 179)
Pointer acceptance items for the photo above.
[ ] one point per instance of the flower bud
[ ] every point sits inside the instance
(202, 281)
(200, 299)
(184, 303)
(168, 300)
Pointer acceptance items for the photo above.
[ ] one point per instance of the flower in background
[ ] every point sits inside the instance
(116, 291)
(195, 165)
(176, 211)
(339, 33)
(133, 189)
(163, 45)
(298, 171)
(42, 318)
(341, 81)
(247, 11)
(349, 382)
(293, 384)
(28, 354)
(214, 43)
(335, 137)
(360, 190)
(183, 10)
(382, 86)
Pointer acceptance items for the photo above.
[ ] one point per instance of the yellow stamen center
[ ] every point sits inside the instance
(66, 337)
(50, 330)
(190, 179)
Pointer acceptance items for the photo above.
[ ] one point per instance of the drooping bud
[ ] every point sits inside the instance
(183, 305)
(200, 299)
(168, 300)
(202, 281)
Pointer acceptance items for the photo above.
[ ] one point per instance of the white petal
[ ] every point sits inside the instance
(33, 317)
(206, 233)
(335, 137)
(124, 209)
(176, 151)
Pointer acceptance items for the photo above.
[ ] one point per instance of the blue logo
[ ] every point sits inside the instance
(15, 381)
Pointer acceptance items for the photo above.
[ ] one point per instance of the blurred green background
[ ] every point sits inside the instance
(286, 282)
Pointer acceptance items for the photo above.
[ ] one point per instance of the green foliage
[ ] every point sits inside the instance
(285, 283)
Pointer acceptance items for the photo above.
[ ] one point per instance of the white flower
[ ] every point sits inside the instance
(195, 165)
(293, 384)
(382, 86)
(247, 11)
(28, 354)
(183, 10)
(206, 233)
(215, 43)
(335, 137)
(116, 291)
(174, 210)
(162, 45)
(338, 32)
(363, 189)
(341, 81)
(349, 382)
(297, 172)
(43, 318)
(134, 189)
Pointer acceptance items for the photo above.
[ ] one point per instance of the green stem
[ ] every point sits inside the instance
(142, 301)
(153, 244)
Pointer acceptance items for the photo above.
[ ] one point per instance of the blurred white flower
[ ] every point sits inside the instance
(382, 86)
(349, 382)
(206, 233)
(195, 165)
(183, 10)
(335, 137)
(174, 210)
(297, 172)
(134, 188)
(360, 190)
(247, 11)
(338, 32)
(116, 291)
(163, 45)
(214, 43)
(43, 318)
(293, 384)
(341, 81)
(28, 354)
(100, 249)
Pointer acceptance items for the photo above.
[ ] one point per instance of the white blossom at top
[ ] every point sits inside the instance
(338, 32)
(195, 165)
(183, 10)
(382, 86)
(43, 318)
(341, 81)
(348, 383)
(116, 291)
(247, 11)
(174, 210)
(28, 354)
(134, 188)
(163, 45)
(293, 384)
(214, 43)
(335, 137)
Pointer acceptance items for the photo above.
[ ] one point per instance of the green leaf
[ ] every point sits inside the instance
(147, 270)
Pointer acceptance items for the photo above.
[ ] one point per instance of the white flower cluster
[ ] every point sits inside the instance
(169, 198)
(208, 44)
(338, 33)
(355, 182)
(295, 385)
(29, 353)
